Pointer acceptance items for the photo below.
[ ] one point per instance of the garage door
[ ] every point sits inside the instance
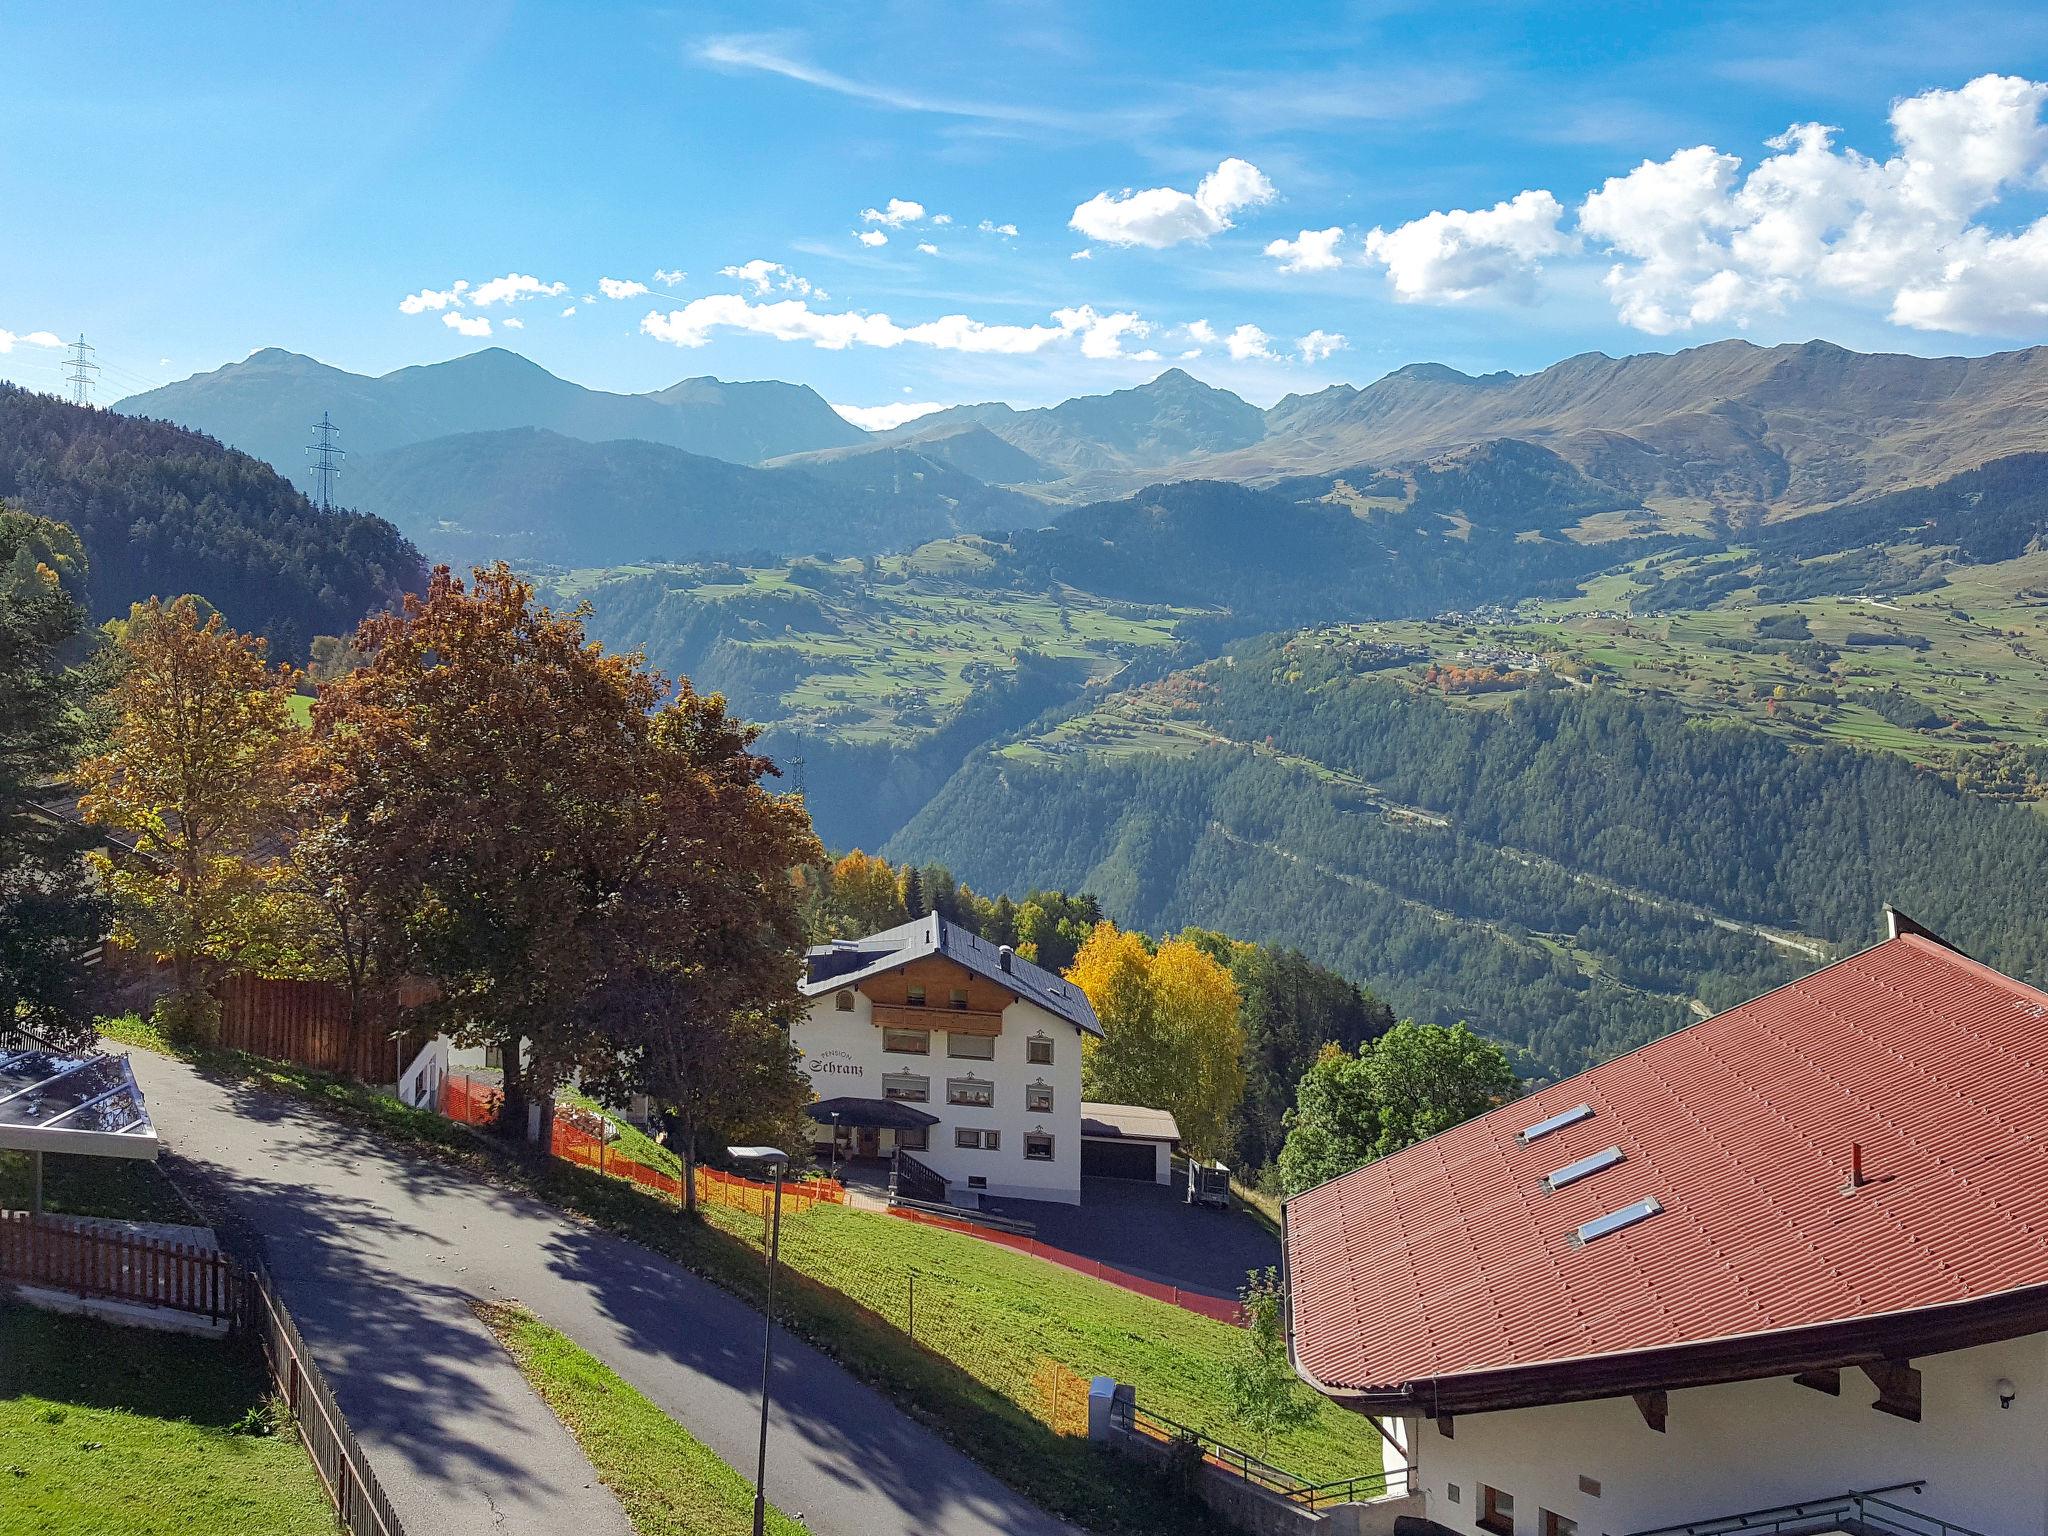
(1118, 1159)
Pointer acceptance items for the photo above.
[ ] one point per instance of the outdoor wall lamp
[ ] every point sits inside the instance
(2006, 1392)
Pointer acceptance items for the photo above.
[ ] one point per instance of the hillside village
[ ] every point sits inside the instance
(1024, 770)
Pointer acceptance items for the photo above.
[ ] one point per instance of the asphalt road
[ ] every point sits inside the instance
(379, 1254)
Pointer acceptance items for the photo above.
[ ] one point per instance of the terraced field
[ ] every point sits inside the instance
(875, 653)
(1970, 657)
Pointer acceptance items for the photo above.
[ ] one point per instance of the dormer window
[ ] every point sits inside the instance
(843, 1000)
(914, 996)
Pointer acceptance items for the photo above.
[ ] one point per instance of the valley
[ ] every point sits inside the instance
(1576, 704)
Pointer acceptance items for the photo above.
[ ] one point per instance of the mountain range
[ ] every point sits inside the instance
(266, 405)
(1726, 435)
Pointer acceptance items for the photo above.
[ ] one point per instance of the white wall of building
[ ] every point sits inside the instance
(843, 1056)
(1751, 1445)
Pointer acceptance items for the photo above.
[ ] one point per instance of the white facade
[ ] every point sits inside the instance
(844, 1057)
(1757, 1444)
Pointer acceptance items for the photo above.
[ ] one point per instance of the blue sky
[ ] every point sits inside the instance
(1274, 197)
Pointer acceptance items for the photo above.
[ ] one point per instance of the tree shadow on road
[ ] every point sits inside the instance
(422, 1383)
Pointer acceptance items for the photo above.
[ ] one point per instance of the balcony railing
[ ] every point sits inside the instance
(1866, 1511)
(980, 1021)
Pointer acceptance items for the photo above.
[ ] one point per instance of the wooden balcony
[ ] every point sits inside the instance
(958, 1021)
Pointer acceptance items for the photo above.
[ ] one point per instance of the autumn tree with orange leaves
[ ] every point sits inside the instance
(197, 778)
(578, 853)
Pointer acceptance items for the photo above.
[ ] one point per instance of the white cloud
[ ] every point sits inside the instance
(668, 277)
(1086, 253)
(899, 212)
(512, 288)
(927, 248)
(432, 298)
(941, 220)
(512, 323)
(1202, 331)
(794, 320)
(1164, 216)
(569, 311)
(468, 325)
(1314, 250)
(991, 227)
(9, 340)
(1102, 336)
(620, 287)
(881, 418)
(1697, 242)
(1318, 344)
(872, 237)
(1445, 258)
(1250, 344)
(768, 276)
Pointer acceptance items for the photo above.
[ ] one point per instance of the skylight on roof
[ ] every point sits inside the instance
(1556, 1122)
(1614, 1221)
(1584, 1168)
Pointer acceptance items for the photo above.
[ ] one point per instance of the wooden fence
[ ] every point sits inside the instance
(90, 1259)
(307, 1022)
(351, 1486)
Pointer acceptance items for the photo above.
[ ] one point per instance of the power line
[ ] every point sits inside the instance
(78, 371)
(326, 463)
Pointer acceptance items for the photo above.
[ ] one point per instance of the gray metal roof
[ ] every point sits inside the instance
(90, 1105)
(1127, 1122)
(845, 962)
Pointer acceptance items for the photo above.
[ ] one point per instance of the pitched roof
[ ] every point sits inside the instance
(844, 962)
(1456, 1261)
(1131, 1122)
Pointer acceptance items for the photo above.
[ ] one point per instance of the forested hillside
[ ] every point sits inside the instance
(1574, 873)
(164, 511)
(533, 496)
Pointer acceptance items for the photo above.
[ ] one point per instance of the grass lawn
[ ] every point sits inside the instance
(122, 1432)
(123, 1188)
(670, 1484)
(998, 1315)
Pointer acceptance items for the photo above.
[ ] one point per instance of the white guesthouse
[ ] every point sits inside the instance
(929, 1040)
(1786, 1270)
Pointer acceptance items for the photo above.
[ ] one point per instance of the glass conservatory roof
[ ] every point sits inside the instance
(88, 1105)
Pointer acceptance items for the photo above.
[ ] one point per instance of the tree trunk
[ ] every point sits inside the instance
(512, 1109)
(689, 1163)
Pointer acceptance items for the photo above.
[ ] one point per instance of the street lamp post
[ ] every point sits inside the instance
(777, 1159)
(835, 1143)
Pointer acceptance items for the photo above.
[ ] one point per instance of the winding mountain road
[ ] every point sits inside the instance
(379, 1254)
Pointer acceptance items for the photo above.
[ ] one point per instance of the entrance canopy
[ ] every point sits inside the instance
(868, 1114)
(86, 1105)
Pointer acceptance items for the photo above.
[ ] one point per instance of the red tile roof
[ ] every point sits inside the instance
(1453, 1257)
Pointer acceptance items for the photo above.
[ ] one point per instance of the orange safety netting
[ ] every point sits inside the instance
(475, 1102)
(1217, 1307)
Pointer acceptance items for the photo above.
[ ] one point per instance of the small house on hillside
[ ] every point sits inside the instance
(1789, 1265)
(929, 1040)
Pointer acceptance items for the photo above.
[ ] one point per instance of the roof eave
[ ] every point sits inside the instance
(1905, 1335)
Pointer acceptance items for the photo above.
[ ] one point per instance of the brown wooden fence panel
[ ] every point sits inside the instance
(358, 1499)
(307, 1022)
(90, 1260)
